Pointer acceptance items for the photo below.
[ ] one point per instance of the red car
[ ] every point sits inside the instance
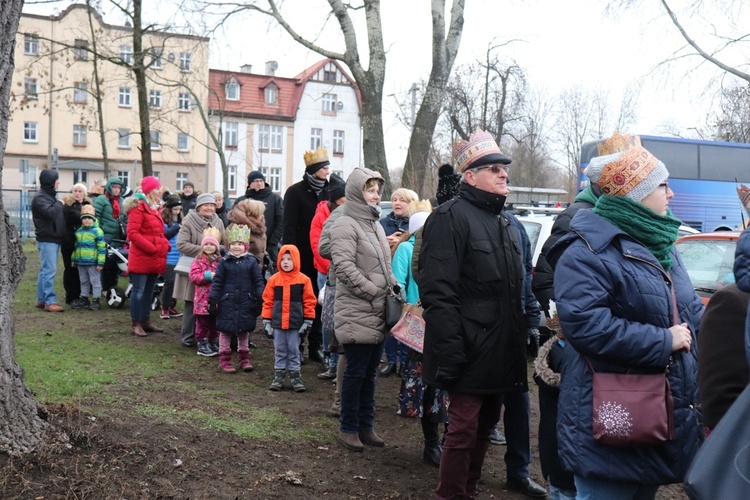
(709, 260)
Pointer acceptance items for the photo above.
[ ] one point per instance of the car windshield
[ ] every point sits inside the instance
(709, 263)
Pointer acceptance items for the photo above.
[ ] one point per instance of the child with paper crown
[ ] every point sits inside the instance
(288, 312)
(235, 298)
(202, 272)
(88, 257)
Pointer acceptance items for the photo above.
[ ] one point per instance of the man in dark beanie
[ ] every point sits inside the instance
(188, 196)
(300, 203)
(49, 224)
(258, 189)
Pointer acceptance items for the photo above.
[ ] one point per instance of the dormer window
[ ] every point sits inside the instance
(232, 90)
(271, 94)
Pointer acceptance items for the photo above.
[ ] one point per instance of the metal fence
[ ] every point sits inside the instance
(18, 205)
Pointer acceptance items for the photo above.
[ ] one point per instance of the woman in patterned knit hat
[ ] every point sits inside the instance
(625, 303)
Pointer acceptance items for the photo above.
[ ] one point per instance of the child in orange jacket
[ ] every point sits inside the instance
(288, 312)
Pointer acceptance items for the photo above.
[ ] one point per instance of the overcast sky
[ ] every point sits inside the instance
(559, 44)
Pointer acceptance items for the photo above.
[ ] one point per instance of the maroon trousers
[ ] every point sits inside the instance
(471, 421)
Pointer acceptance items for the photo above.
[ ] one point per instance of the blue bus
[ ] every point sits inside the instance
(704, 176)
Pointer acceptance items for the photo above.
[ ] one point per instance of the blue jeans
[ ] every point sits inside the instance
(141, 295)
(286, 355)
(45, 283)
(594, 489)
(395, 351)
(358, 387)
(556, 493)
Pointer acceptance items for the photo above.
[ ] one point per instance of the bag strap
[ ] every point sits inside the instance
(675, 312)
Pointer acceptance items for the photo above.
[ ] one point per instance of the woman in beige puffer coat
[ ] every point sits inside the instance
(360, 252)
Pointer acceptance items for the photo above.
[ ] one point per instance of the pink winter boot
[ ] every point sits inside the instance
(244, 357)
(225, 362)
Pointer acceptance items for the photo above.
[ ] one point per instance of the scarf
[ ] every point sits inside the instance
(655, 232)
(587, 195)
(115, 204)
(316, 184)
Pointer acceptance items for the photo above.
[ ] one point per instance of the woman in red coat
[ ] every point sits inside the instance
(148, 255)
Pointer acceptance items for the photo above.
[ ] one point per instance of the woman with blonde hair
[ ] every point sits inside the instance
(396, 226)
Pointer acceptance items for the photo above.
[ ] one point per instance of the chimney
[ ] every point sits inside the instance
(246, 68)
(271, 67)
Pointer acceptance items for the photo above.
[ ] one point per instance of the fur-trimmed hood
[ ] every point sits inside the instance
(68, 199)
(249, 213)
(541, 364)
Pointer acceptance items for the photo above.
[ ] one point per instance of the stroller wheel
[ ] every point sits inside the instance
(156, 303)
(116, 298)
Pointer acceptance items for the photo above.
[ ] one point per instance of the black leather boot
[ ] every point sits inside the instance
(432, 449)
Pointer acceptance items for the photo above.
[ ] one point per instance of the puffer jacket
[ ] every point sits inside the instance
(91, 249)
(472, 281)
(360, 251)
(189, 243)
(614, 301)
(324, 244)
(393, 224)
(402, 270)
(104, 212)
(237, 288)
(198, 268)
(170, 233)
(321, 214)
(47, 210)
(148, 245)
(288, 299)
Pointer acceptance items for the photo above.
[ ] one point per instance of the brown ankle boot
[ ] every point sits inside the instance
(148, 327)
(138, 329)
(350, 441)
(369, 438)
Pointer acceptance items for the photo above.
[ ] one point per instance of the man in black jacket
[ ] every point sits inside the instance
(49, 224)
(474, 285)
(188, 197)
(259, 189)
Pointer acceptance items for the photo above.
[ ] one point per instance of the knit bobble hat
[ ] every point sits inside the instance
(210, 240)
(149, 183)
(634, 173)
(205, 198)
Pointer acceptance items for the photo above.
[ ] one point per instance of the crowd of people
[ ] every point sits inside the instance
(317, 266)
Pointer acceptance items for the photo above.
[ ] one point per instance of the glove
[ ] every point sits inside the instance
(213, 308)
(268, 328)
(306, 325)
(208, 276)
(445, 376)
(532, 340)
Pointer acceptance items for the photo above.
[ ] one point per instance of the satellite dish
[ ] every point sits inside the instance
(170, 57)
(340, 106)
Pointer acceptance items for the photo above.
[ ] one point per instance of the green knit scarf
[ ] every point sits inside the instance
(655, 232)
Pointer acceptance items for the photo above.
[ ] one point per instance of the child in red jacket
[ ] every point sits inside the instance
(288, 312)
(202, 272)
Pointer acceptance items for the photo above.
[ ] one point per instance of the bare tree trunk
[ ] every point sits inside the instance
(21, 428)
(98, 94)
(444, 52)
(139, 70)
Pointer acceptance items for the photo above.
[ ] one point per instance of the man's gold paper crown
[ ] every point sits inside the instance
(618, 143)
(238, 233)
(317, 156)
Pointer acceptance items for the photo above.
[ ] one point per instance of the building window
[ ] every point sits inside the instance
(271, 93)
(231, 134)
(338, 142)
(30, 88)
(155, 139)
(232, 90)
(182, 178)
(316, 138)
(182, 141)
(329, 76)
(183, 101)
(154, 99)
(329, 104)
(264, 137)
(124, 176)
(81, 50)
(30, 132)
(30, 173)
(30, 45)
(156, 174)
(126, 54)
(276, 138)
(79, 135)
(273, 177)
(340, 173)
(185, 61)
(231, 177)
(123, 138)
(80, 176)
(156, 57)
(125, 96)
(80, 92)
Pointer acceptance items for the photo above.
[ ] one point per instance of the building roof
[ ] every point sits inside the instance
(252, 103)
(79, 165)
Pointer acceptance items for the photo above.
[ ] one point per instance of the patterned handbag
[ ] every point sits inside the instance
(410, 328)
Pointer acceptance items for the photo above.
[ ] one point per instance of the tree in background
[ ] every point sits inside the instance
(22, 429)
(732, 121)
